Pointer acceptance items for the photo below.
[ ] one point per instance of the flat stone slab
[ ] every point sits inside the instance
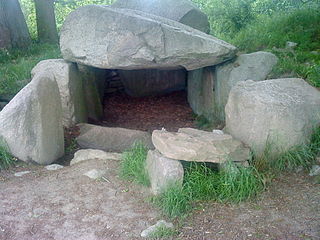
(111, 139)
(88, 154)
(53, 167)
(190, 144)
(114, 38)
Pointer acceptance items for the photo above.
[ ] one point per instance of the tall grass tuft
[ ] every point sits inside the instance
(133, 164)
(6, 159)
(232, 184)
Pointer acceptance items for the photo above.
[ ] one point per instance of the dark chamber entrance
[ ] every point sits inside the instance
(167, 109)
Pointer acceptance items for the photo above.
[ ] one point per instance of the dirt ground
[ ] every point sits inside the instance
(170, 111)
(65, 205)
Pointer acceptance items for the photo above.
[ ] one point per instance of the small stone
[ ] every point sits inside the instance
(291, 45)
(20, 174)
(53, 167)
(160, 224)
(94, 174)
(315, 170)
(89, 154)
(299, 169)
(217, 131)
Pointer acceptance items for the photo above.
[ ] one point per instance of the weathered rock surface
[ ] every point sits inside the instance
(183, 11)
(280, 112)
(93, 84)
(20, 174)
(114, 38)
(95, 173)
(110, 139)
(152, 229)
(254, 66)
(201, 95)
(199, 146)
(70, 87)
(139, 83)
(88, 154)
(53, 167)
(31, 124)
(163, 171)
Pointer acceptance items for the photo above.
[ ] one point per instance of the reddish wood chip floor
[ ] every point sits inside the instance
(170, 111)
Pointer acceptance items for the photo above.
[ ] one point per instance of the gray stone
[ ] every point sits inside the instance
(280, 112)
(152, 229)
(70, 87)
(183, 11)
(315, 170)
(201, 91)
(95, 174)
(88, 154)
(114, 38)
(111, 139)
(20, 174)
(53, 167)
(31, 124)
(163, 171)
(199, 146)
(254, 66)
(93, 84)
(291, 45)
(139, 83)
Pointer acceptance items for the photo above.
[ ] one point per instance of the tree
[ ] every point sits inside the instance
(46, 22)
(13, 28)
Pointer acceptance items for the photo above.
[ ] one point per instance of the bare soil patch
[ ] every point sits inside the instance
(170, 111)
(64, 204)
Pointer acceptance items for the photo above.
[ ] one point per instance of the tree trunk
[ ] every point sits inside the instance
(46, 22)
(13, 28)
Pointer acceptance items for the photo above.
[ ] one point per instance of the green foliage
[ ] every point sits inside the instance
(16, 65)
(231, 184)
(133, 164)
(6, 160)
(299, 26)
(62, 10)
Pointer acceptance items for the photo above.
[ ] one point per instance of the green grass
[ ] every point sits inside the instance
(133, 164)
(163, 232)
(16, 65)
(202, 183)
(298, 156)
(6, 160)
(300, 26)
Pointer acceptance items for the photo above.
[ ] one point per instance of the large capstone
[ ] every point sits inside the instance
(114, 38)
(183, 11)
(194, 145)
(31, 124)
(278, 113)
(70, 87)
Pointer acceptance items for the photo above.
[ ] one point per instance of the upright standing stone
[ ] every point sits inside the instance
(254, 66)
(281, 113)
(31, 124)
(163, 171)
(201, 91)
(70, 87)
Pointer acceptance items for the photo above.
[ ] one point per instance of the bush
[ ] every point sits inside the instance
(133, 164)
(6, 160)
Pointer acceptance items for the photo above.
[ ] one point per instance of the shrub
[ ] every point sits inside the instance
(6, 160)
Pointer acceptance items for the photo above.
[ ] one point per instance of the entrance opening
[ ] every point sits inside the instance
(163, 102)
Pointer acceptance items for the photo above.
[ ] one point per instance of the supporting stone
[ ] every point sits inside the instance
(278, 113)
(201, 91)
(163, 171)
(31, 124)
(70, 86)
